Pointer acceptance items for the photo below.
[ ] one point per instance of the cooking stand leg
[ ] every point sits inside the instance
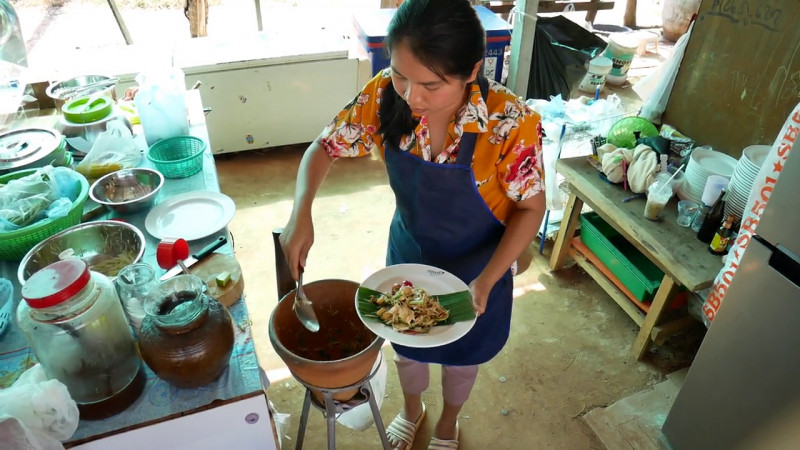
(376, 414)
(330, 415)
(303, 421)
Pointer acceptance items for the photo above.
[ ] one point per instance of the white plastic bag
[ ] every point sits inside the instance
(657, 87)
(114, 149)
(360, 417)
(37, 410)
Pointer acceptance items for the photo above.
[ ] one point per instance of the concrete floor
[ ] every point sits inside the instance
(569, 348)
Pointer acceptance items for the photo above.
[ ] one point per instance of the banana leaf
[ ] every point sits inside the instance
(458, 304)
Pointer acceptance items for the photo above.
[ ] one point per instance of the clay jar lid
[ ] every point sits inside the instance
(56, 283)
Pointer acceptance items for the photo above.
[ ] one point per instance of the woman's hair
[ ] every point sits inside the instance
(444, 35)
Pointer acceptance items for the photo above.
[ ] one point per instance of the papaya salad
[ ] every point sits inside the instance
(409, 309)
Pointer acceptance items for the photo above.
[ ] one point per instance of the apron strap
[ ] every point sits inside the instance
(466, 148)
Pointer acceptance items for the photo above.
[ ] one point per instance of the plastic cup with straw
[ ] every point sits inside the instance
(657, 198)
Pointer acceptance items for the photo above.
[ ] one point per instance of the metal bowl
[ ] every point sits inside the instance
(106, 245)
(127, 190)
(61, 91)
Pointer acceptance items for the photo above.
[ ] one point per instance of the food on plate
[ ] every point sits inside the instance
(409, 309)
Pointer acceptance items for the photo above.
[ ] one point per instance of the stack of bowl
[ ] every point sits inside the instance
(744, 176)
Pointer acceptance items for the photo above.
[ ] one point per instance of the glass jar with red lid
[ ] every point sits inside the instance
(73, 321)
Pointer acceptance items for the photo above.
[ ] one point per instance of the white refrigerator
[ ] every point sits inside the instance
(743, 388)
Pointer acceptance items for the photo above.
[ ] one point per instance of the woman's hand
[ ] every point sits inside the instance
(480, 290)
(296, 240)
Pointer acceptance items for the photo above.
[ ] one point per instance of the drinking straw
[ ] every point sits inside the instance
(670, 179)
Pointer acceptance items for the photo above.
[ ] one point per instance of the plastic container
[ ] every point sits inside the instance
(599, 67)
(178, 157)
(73, 321)
(371, 27)
(84, 118)
(161, 104)
(633, 269)
(621, 48)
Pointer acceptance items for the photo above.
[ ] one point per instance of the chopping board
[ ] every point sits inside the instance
(214, 264)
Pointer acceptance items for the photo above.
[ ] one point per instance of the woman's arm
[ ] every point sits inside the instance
(521, 229)
(298, 234)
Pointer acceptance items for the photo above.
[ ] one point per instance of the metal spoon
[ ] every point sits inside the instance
(304, 309)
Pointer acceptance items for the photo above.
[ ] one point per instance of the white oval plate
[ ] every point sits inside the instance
(436, 282)
(191, 215)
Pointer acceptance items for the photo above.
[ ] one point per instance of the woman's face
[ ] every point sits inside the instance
(423, 90)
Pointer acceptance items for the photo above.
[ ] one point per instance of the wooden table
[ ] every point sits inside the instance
(674, 249)
(231, 411)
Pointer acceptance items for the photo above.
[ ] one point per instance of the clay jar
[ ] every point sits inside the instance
(187, 337)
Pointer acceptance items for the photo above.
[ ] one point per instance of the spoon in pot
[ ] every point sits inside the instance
(303, 307)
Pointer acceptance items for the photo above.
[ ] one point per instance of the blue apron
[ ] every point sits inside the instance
(441, 220)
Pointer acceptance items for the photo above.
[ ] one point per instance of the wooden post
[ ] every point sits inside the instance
(197, 13)
(522, 46)
(629, 20)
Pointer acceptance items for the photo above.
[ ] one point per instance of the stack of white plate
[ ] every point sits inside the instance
(703, 163)
(744, 175)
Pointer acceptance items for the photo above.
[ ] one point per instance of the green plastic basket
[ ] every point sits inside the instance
(177, 157)
(633, 269)
(14, 245)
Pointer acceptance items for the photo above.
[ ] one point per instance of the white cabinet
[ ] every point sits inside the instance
(271, 105)
(267, 90)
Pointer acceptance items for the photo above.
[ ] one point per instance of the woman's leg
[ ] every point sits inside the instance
(414, 378)
(457, 383)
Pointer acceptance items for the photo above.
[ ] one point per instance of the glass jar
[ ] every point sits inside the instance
(74, 323)
(187, 337)
(136, 285)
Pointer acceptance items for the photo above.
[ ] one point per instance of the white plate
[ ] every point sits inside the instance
(436, 282)
(713, 162)
(191, 215)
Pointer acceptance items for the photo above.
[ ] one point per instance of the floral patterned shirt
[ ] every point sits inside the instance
(507, 162)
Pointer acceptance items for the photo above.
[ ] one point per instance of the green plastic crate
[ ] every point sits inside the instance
(633, 269)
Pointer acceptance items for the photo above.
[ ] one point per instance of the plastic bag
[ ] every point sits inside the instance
(360, 417)
(114, 149)
(561, 49)
(25, 201)
(657, 87)
(44, 411)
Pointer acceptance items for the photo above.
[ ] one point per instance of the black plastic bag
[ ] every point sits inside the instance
(561, 49)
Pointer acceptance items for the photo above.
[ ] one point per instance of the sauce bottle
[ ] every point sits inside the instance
(712, 220)
(719, 243)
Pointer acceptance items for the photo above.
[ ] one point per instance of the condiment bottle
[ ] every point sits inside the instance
(74, 323)
(719, 244)
(712, 220)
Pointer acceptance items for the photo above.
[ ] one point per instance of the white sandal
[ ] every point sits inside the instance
(444, 444)
(403, 430)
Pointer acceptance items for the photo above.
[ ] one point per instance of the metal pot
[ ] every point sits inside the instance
(27, 148)
(65, 90)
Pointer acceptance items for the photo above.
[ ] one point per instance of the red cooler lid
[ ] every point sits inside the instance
(56, 283)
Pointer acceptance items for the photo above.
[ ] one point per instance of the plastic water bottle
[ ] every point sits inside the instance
(161, 104)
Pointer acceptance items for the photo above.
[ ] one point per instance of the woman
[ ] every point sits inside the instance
(463, 157)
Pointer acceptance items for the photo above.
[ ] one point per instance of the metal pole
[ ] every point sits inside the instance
(258, 15)
(120, 22)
